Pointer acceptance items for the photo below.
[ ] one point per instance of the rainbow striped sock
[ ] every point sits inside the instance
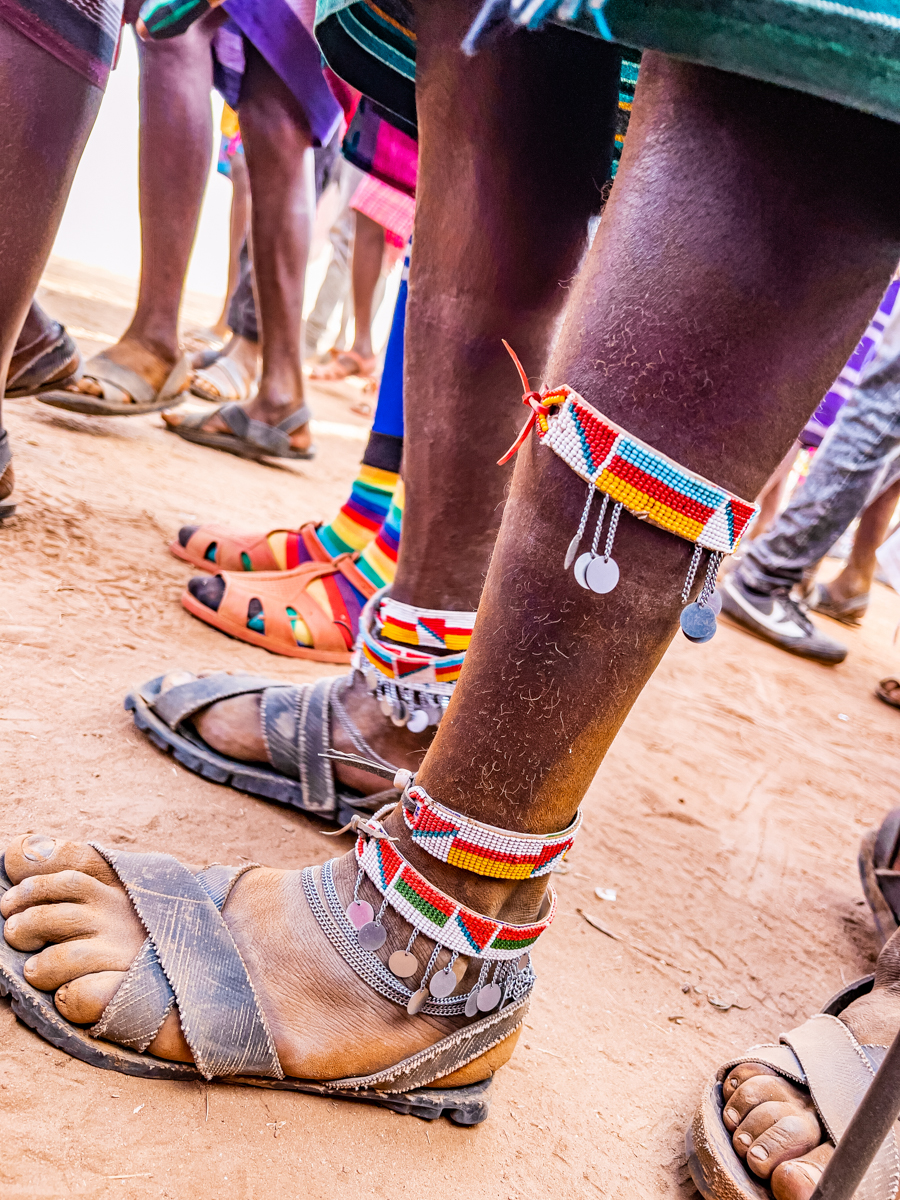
(378, 562)
(361, 517)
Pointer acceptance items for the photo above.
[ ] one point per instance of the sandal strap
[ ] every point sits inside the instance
(886, 843)
(229, 548)
(282, 589)
(220, 1014)
(186, 699)
(274, 439)
(5, 451)
(346, 564)
(296, 723)
(232, 373)
(104, 371)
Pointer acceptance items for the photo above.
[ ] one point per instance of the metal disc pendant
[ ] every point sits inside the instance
(581, 563)
(489, 997)
(715, 601)
(417, 1001)
(572, 551)
(399, 713)
(523, 961)
(698, 624)
(472, 1002)
(371, 679)
(386, 705)
(418, 721)
(601, 575)
(372, 936)
(403, 964)
(360, 913)
(442, 983)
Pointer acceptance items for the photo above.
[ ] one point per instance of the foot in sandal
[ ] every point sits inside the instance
(342, 364)
(265, 427)
(128, 379)
(232, 376)
(366, 978)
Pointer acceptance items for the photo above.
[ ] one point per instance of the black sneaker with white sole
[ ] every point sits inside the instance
(778, 619)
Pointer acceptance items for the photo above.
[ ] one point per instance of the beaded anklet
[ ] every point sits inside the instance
(645, 482)
(482, 849)
(410, 678)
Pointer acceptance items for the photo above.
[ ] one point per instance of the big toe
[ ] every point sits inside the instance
(797, 1179)
(84, 1000)
(38, 854)
(174, 678)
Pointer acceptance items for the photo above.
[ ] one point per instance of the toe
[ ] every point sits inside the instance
(797, 1179)
(761, 1089)
(65, 961)
(174, 678)
(36, 927)
(773, 1133)
(83, 1000)
(37, 854)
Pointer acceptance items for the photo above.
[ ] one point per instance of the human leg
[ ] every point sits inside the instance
(366, 263)
(855, 580)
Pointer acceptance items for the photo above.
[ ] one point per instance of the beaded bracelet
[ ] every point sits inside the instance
(462, 842)
(645, 482)
(412, 683)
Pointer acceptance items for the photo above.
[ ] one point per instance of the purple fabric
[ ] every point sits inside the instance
(279, 34)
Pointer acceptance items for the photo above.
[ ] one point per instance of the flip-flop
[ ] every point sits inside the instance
(881, 884)
(190, 960)
(222, 381)
(276, 592)
(825, 1057)
(51, 363)
(125, 392)
(7, 504)
(214, 548)
(296, 720)
(334, 370)
(848, 612)
(248, 438)
(888, 691)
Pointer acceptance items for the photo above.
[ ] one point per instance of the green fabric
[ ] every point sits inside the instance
(849, 53)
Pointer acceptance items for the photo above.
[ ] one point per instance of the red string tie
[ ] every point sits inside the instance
(533, 400)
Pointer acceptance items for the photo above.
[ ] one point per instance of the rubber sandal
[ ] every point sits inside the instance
(190, 960)
(125, 392)
(881, 885)
(888, 691)
(296, 720)
(334, 370)
(248, 438)
(222, 381)
(198, 340)
(214, 548)
(7, 504)
(822, 1055)
(848, 612)
(49, 363)
(276, 591)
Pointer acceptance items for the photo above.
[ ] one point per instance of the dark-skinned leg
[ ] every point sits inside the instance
(175, 148)
(50, 106)
(856, 577)
(276, 140)
(366, 262)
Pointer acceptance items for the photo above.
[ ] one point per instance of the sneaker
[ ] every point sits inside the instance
(779, 619)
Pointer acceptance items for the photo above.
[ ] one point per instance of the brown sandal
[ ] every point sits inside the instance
(276, 592)
(213, 548)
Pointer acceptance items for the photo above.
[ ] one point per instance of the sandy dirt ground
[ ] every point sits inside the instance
(726, 818)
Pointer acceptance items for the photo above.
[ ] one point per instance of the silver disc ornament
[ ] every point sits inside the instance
(372, 936)
(698, 624)
(417, 1001)
(581, 563)
(418, 720)
(360, 913)
(715, 601)
(443, 983)
(489, 997)
(472, 1003)
(601, 574)
(403, 964)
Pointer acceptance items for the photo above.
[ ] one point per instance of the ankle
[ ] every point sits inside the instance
(161, 342)
(848, 584)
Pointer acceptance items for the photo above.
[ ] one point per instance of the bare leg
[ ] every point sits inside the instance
(237, 231)
(856, 577)
(368, 256)
(50, 106)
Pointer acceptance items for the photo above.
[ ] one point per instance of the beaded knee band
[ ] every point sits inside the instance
(411, 658)
(646, 483)
(483, 849)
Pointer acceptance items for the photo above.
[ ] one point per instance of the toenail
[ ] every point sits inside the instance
(758, 1152)
(38, 847)
(732, 1114)
(745, 1139)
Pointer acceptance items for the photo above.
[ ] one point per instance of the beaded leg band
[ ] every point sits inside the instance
(644, 482)
(411, 658)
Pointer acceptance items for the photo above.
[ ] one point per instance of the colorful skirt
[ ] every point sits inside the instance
(845, 52)
(83, 35)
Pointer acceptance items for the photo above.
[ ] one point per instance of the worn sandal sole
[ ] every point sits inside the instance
(256, 779)
(243, 634)
(715, 1168)
(885, 921)
(50, 385)
(235, 445)
(463, 1105)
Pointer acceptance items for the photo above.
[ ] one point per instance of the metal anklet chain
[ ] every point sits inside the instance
(352, 732)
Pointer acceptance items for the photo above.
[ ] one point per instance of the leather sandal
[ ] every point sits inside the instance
(7, 504)
(214, 548)
(275, 593)
(848, 612)
(821, 1055)
(54, 361)
(125, 393)
(880, 882)
(248, 438)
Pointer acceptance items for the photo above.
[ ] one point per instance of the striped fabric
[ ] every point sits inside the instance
(378, 562)
(362, 515)
(82, 34)
(430, 629)
(388, 207)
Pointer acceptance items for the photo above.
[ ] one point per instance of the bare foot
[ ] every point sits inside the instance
(774, 1124)
(233, 727)
(70, 911)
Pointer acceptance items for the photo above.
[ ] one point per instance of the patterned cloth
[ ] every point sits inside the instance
(83, 34)
(375, 144)
(389, 208)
